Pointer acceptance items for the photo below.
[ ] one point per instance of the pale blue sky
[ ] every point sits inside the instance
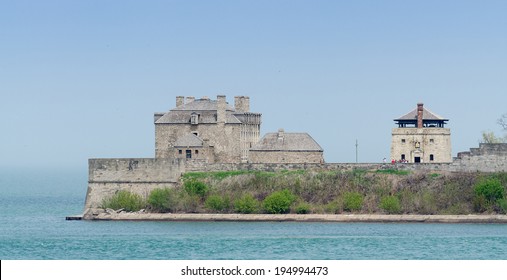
(81, 79)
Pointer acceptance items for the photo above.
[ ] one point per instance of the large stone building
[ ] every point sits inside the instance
(421, 137)
(212, 131)
(208, 130)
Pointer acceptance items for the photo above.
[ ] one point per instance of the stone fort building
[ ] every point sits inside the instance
(421, 137)
(213, 131)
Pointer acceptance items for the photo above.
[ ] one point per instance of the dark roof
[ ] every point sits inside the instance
(289, 142)
(427, 115)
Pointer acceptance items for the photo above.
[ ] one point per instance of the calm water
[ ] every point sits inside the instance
(34, 204)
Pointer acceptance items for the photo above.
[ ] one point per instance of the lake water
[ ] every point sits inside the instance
(34, 204)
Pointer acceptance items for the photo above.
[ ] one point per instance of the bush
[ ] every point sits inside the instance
(352, 201)
(196, 188)
(502, 205)
(246, 204)
(189, 203)
(162, 200)
(279, 202)
(126, 200)
(491, 189)
(303, 208)
(390, 204)
(217, 203)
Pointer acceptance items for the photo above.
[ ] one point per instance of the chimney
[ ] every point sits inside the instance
(420, 115)
(180, 100)
(281, 134)
(222, 104)
(246, 104)
(238, 103)
(190, 99)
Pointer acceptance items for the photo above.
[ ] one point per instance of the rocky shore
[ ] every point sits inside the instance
(112, 215)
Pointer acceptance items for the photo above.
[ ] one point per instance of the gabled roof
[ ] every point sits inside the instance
(427, 115)
(189, 140)
(289, 142)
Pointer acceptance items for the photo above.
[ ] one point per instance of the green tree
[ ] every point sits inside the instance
(391, 204)
(279, 202)
(352, 201)
(247, 204)
(489, 137)
(162, 200)
(196, 188)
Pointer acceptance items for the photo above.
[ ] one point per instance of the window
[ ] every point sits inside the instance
(189, 154)
(194, 118)
(432, 158)
(196, 152)
(180, 152)
(403, 141)
(432, 140)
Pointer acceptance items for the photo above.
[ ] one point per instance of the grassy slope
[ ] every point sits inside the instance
(327, 191)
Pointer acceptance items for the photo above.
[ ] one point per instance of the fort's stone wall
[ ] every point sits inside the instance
(286, 156)
(107, 176)
(137, 175)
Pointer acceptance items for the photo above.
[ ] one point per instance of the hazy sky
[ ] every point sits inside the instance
(82, 79)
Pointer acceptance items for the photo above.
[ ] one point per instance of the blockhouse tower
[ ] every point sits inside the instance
(421, 137)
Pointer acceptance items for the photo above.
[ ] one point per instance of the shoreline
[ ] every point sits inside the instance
(337, 218)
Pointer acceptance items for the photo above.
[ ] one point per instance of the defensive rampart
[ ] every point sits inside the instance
(142, 175)
(137, 175)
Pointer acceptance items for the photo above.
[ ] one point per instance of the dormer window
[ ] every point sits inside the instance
(194, 118)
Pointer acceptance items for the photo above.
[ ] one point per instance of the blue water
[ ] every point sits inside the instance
(34, 203)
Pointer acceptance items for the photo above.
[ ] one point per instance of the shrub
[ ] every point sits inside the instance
(162, 200)
(334, 207)
(189, 203)
(217, 203)
(246, 204)
(502, 205)
(303, 208)
(196, 188)
(126, 200)
(491, 189)
(393, 171)
(352, 201)
(279, 202)
(390, 204)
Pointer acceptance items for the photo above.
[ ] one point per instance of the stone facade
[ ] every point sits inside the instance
(421, 138)
(285, 147)
(208, 130)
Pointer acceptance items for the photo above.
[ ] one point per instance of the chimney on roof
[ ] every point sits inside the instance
(420, 115)
(180, 100)
(281, 134)
(238, 103)
(190, 99)
(222, 105)
(242, 103)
